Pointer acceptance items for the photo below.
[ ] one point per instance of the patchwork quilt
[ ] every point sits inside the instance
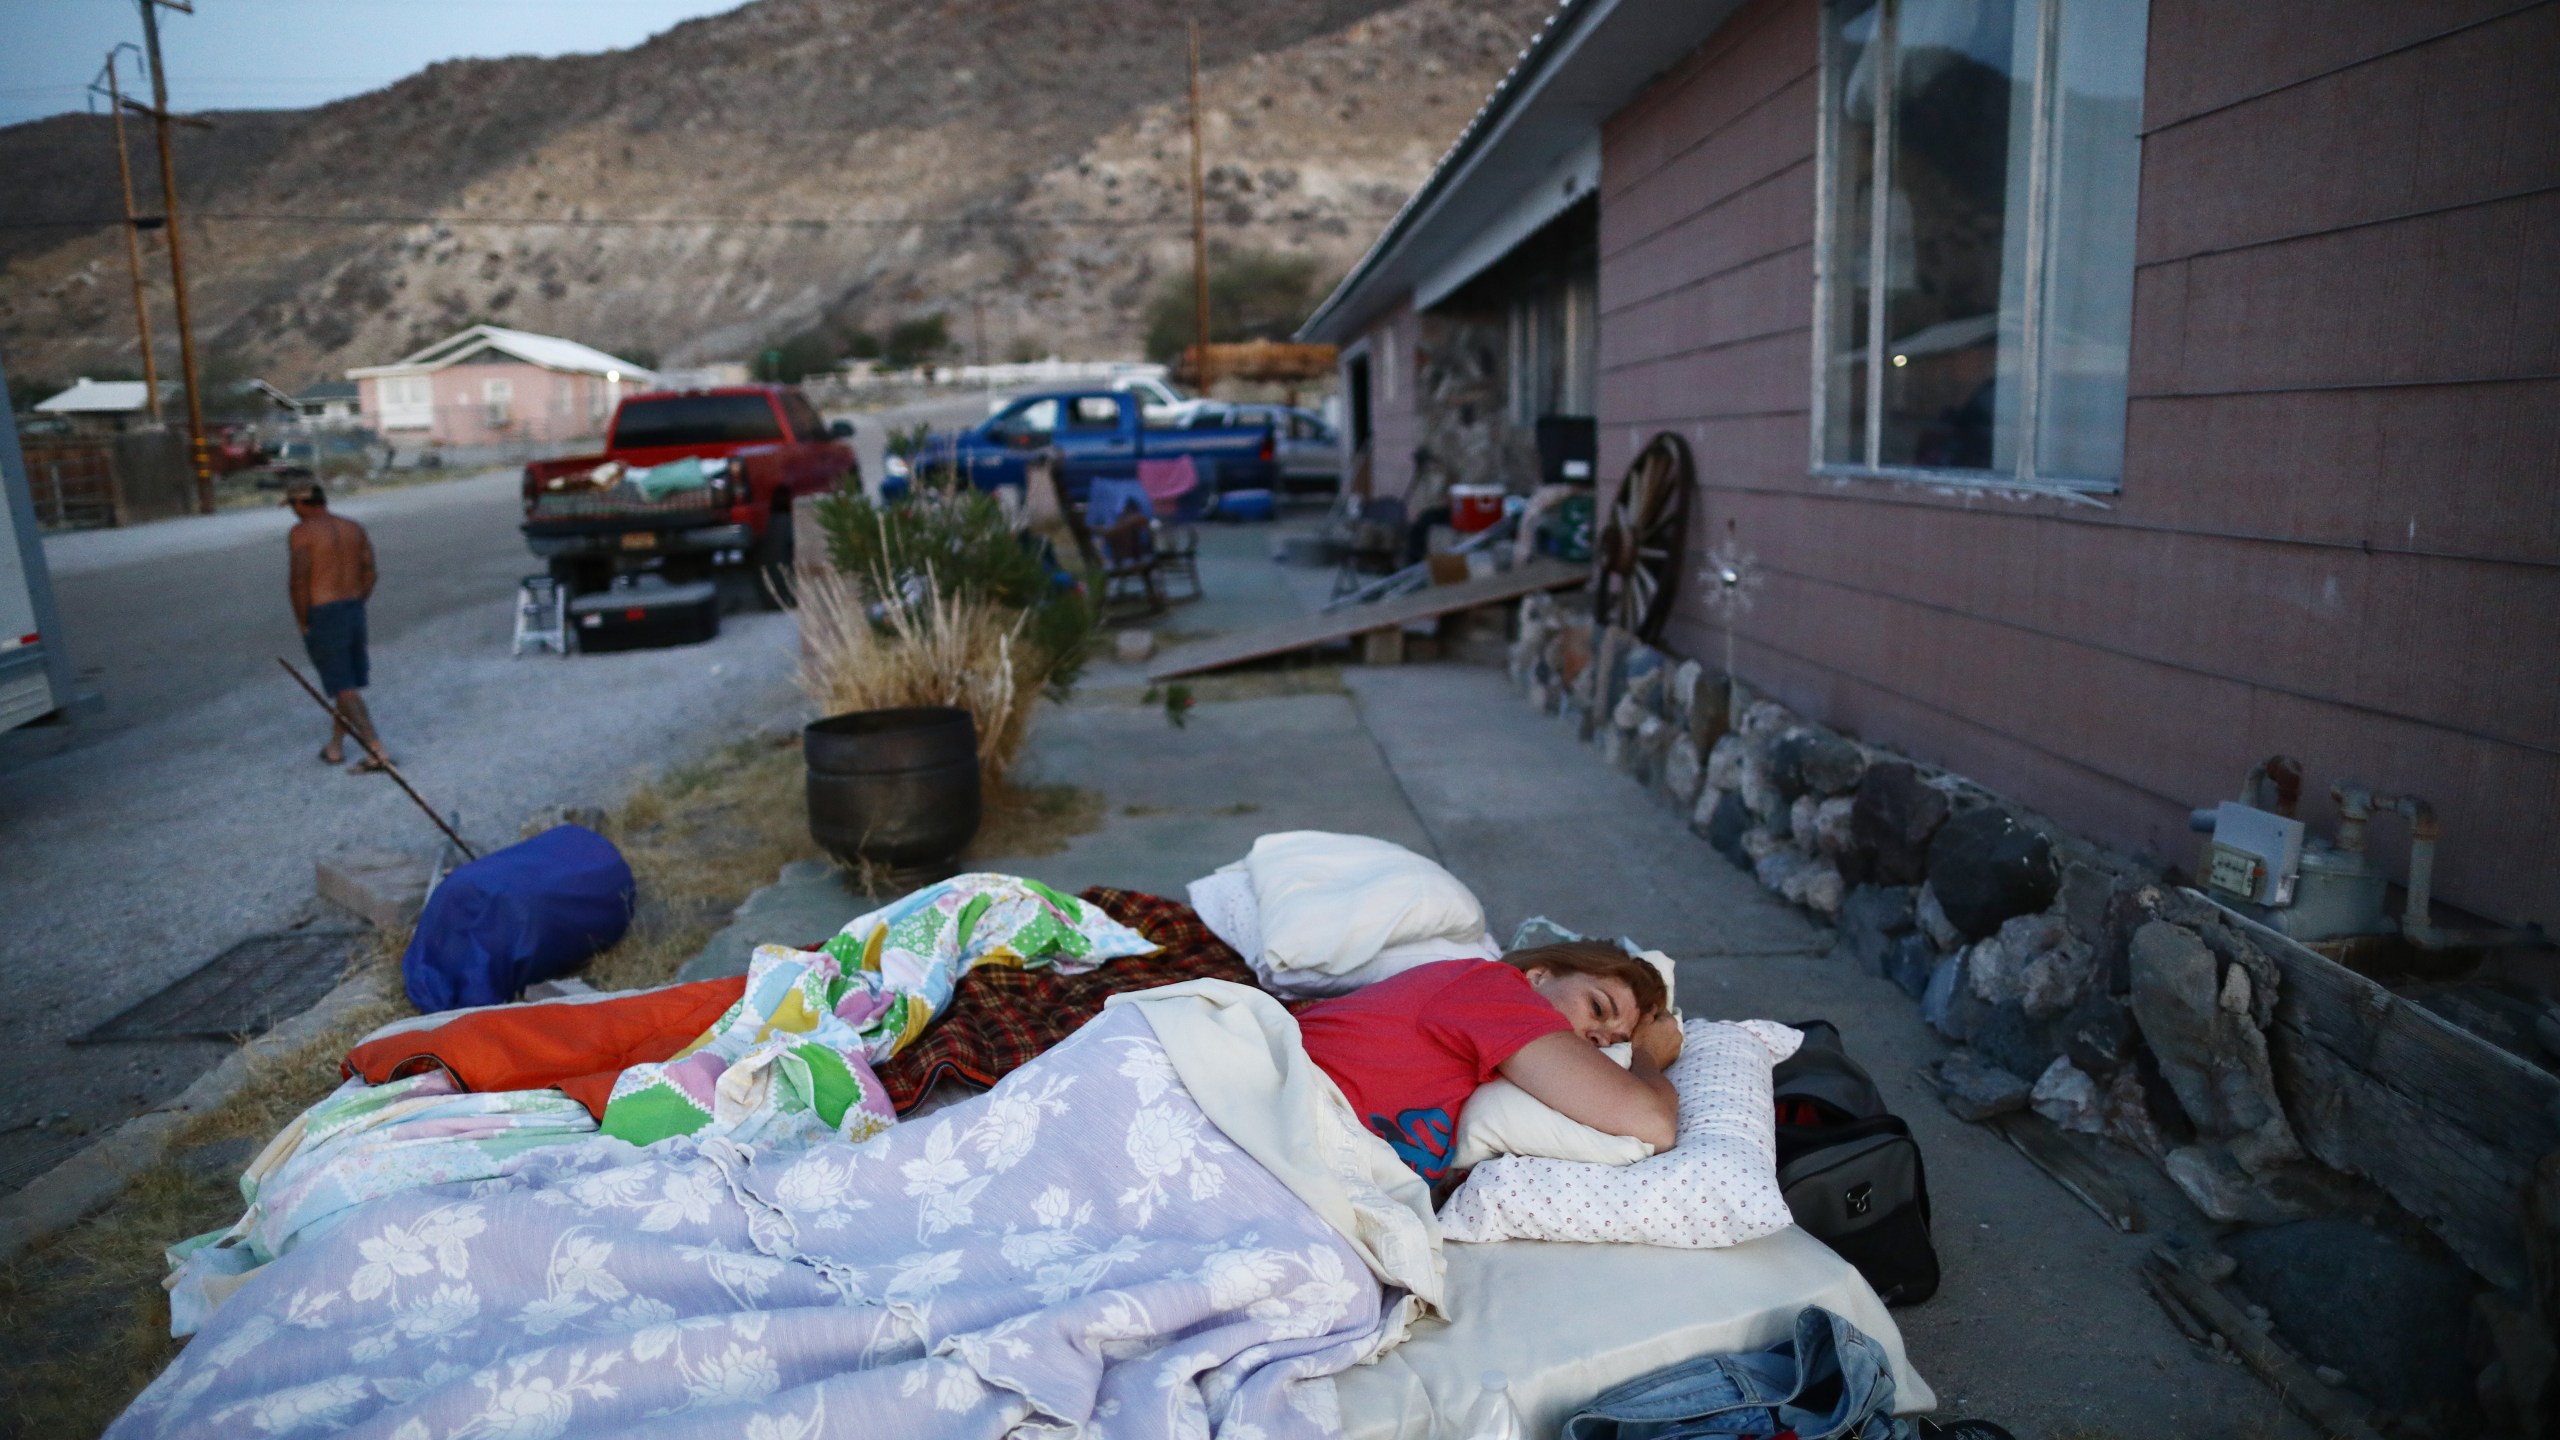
(798, 1052)
(1002, 1016)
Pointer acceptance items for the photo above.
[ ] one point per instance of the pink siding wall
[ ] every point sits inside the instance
(1394, 426)
(2339, 530)
(546, 406)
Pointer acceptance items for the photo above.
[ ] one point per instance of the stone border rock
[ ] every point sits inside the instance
(91, 1180)
(2083, 985)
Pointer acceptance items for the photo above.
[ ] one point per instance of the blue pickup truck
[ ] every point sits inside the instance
(1098, 434)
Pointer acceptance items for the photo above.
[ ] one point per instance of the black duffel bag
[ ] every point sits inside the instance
(1850, 1171)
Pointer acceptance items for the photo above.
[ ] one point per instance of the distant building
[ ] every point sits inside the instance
(102, 407)
(705, 377)
(331, 404)
(488, 385)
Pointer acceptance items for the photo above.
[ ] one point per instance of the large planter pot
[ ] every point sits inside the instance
(894, 790)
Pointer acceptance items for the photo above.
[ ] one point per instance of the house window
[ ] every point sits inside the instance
(408, 402)
(500, 397)
(1555, 346)
(1980, 162)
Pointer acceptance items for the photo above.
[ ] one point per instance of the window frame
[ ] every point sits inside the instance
(1827, 277)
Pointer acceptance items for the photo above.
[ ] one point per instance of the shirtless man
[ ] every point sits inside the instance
(332, 578)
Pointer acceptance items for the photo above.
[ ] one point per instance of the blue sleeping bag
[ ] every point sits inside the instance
(524, 914)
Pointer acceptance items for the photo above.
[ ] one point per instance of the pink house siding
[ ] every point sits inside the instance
(1395, 427)
(2338, 534)
(539, 405)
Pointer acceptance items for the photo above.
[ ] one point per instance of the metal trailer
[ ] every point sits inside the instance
(35, 663)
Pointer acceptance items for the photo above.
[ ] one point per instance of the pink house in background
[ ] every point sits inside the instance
(493, 386)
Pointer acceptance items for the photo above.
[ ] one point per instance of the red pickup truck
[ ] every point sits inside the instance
(691, 483)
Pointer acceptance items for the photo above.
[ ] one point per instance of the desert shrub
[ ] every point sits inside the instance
(1253, 295)
(904, 440)
(797, 358)
(916, 342)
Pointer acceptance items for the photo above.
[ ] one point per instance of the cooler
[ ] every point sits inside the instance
(646, 617)
(1474, 507)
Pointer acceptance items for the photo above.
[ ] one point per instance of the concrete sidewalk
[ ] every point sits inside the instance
(2041, 1323)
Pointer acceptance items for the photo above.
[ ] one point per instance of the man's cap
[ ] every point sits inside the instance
(306, 492)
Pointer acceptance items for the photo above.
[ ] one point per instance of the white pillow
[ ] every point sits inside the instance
(1225, 904)
(1503, 1119)
(1333, 902)
(1717, 1187)
(1394, 960)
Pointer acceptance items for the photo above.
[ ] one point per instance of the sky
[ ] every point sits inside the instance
(285, 54)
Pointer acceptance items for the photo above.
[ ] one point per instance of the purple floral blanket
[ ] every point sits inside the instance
(1079, 1247)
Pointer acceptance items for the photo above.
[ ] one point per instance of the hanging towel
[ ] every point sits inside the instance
(1167, 481)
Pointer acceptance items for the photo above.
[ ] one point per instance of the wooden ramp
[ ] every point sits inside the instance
(1304, 631)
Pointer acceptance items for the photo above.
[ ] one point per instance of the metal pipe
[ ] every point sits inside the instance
(2287, 774)
(2355, 812)
(2414, 920)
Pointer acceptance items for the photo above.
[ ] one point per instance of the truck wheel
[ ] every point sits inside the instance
(772, 562)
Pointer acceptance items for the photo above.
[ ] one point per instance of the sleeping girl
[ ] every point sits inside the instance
(1409, 1050)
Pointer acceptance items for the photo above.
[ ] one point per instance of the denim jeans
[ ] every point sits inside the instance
(1830, 1382)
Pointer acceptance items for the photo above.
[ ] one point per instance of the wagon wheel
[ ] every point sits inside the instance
(1641, 544)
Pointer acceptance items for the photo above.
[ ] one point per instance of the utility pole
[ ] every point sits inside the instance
(1199, 234)
(133, 246)
(198, 451)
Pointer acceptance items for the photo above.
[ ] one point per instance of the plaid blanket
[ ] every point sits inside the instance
(1002, 1017)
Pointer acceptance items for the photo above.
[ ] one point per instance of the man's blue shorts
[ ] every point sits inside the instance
(335, 642)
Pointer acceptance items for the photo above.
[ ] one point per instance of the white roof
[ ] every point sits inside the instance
(98, 397)
(549, 351)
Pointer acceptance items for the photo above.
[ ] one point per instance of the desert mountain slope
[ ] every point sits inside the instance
(1020, 167)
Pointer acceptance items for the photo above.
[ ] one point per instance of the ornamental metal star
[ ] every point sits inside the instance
(1731, 578)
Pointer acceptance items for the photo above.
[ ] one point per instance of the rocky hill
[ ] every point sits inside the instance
(1021, 167)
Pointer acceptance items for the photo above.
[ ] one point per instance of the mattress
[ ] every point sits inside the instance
(1565, 1322)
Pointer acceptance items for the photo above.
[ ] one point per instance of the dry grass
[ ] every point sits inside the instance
(83, 1320)
(700, 839)
(940, 650)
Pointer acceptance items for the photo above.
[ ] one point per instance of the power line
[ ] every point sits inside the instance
(736, 221)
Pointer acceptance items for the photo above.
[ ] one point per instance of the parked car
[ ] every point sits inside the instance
(1098, 433)
(1165, 405)
(1309, 450)
(759, 447)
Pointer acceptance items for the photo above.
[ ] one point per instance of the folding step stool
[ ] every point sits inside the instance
(542, 615)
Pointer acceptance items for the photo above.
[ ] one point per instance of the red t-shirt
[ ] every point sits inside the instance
(1409, 1050)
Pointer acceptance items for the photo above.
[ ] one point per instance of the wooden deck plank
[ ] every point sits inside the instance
(1300, 632)
(2378, 1086)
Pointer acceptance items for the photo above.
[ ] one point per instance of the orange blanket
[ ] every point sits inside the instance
(578, 1046)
